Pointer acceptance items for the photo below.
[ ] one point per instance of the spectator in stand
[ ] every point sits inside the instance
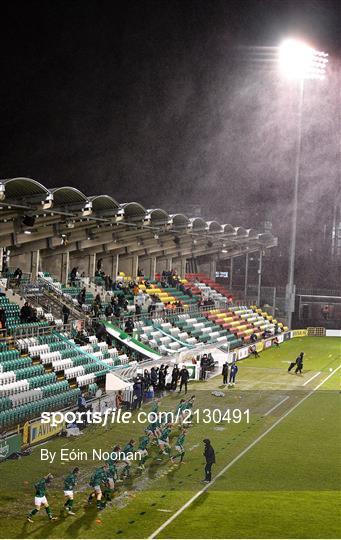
(253, 337)
(107, 283)
(129, 326)
(2, 318)
(99, 265)
(140, 272)
(98, 300)
(73, 275)
(26, 313)
(182, 288)
(137, 309)
(65, 314)
(108, 310)
(95, 309)
(17, 276)
(81, 296)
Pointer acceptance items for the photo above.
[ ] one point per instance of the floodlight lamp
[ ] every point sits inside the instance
(298, 60)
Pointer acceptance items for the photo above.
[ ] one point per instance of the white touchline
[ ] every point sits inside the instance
(277, 405)
(237, 458)
(311, 378)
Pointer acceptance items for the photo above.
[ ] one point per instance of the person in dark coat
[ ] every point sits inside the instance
(175, 377)
(209, 455)
(153, 378)
(233, 373)
(184, 376)
(225, 372)
(299, 363)
(65, 313)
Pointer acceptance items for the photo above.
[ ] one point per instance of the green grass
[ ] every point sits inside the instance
(285, 486)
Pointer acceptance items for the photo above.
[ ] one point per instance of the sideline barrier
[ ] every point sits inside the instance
(9, 445)
(39, 431)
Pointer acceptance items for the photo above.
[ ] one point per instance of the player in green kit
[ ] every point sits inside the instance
(142, 450)
(178, 415)
(187, 411)
(180, 446)
(99, 477)
(69, 483)
(163, 440)
(155, 406)
(128, 449)
(40, 498)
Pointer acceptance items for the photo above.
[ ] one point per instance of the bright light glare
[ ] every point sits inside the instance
(299, 61)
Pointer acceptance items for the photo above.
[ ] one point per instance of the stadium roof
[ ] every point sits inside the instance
(33, 217)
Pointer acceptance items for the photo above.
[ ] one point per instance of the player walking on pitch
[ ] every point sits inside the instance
(69, 483)
(40, 498)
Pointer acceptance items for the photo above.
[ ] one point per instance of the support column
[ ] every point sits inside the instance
(231, 274)
(1, 257)
(35, 263)
(246, 274)
(114, 266)
(169, 263)
(182, 271)
(259, 276)
(135, 266)
(65, 266)
(92, 264)
(152, 268)
(213, 268)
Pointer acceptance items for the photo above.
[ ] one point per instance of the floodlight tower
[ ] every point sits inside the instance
(299, 62)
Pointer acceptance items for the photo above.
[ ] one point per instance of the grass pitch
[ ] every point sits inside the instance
(286, 485)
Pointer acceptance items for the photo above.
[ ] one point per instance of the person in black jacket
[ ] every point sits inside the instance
(65, 313)
(175, 377)
(225, 372)
(299, 363)
(209, 455)
(184, 376)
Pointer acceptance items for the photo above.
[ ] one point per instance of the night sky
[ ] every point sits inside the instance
(162, 102)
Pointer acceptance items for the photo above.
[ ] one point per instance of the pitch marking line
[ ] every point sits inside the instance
(311, 378)
(237, 458)
(275, 406)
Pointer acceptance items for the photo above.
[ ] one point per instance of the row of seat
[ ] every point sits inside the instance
(55, 402)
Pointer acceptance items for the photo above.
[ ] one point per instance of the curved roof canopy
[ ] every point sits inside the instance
(23, 187)
(133, 210)
(240, 231)
(68, 195)
(197, 224)
(214, 226)
(102, 203)
(228, 229)
(178, 221)
(157, 216)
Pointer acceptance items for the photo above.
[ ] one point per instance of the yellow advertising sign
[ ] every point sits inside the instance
(300, 333)
(259, 346)
(40, 431)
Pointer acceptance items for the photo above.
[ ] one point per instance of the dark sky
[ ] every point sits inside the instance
(151, 101)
